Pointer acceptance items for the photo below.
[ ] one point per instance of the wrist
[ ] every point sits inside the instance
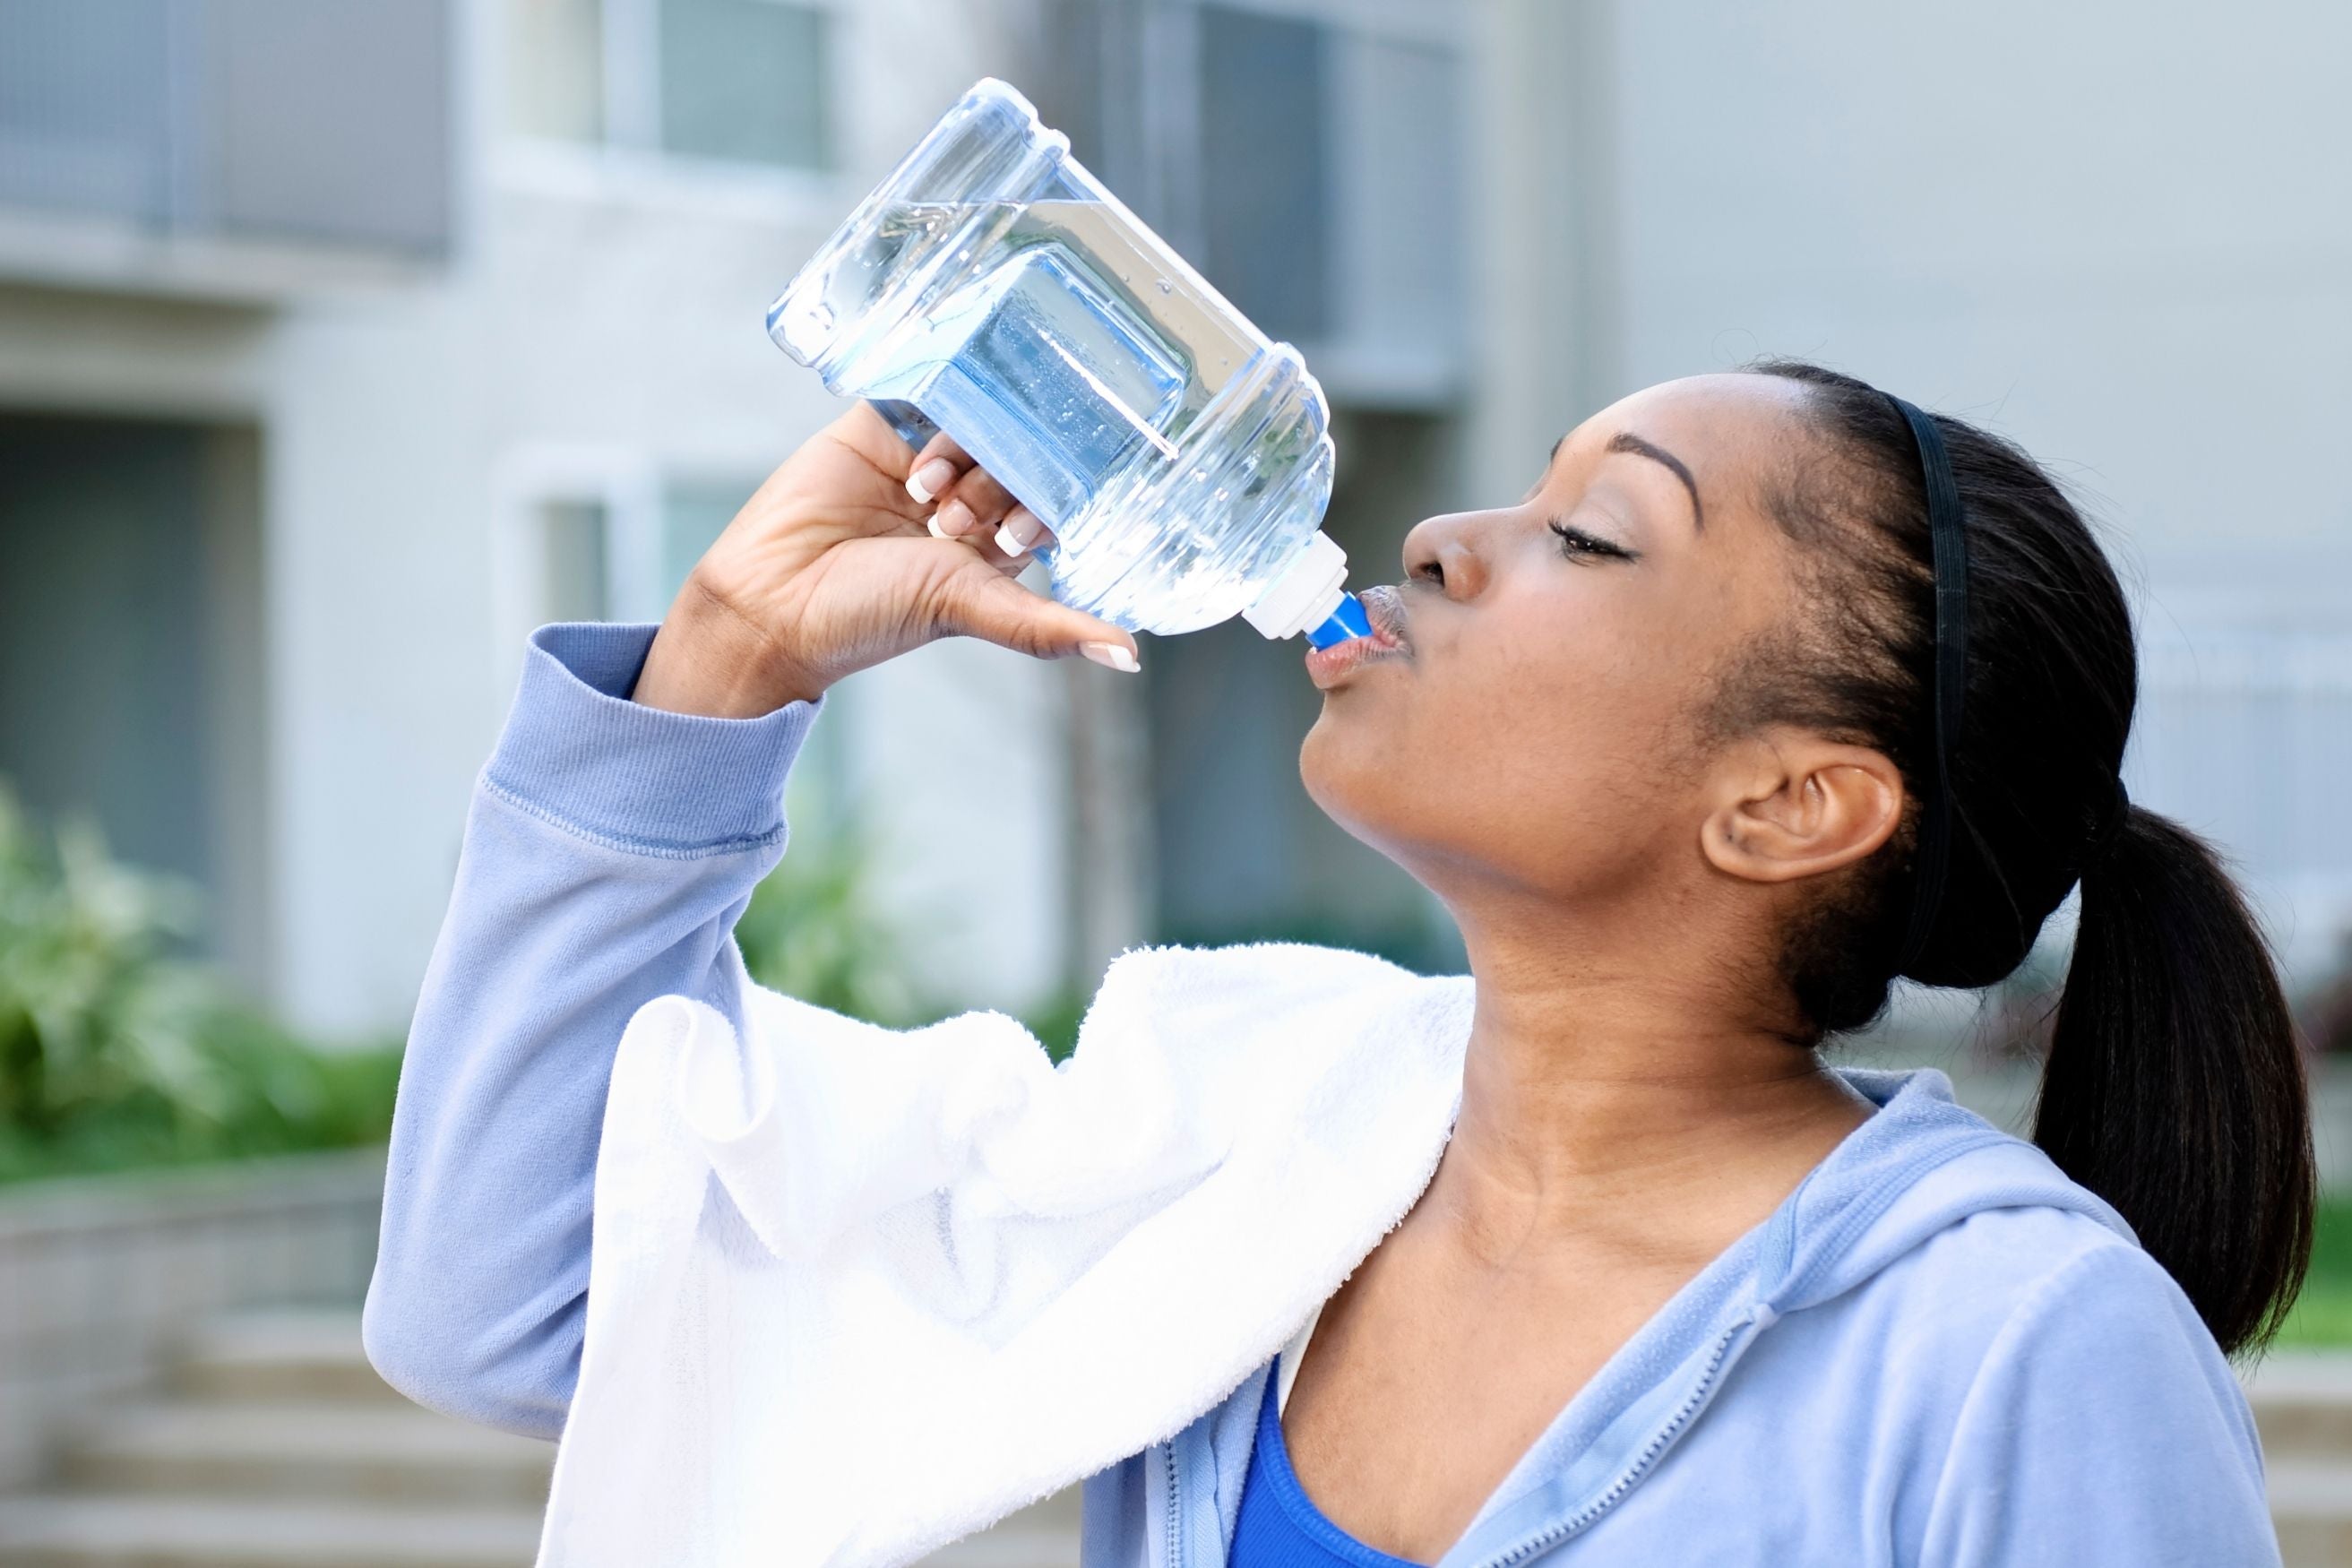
(709, 660)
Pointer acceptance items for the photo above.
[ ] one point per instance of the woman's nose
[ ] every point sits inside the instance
(1445, 553)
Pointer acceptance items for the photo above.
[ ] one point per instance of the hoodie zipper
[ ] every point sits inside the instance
(1658, 1444)
(1175, 1510)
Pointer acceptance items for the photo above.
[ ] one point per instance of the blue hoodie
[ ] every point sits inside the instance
(1938, 1350)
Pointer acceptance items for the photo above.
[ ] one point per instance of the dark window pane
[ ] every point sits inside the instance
(1266, 187)
(744, 80)
(102, 699)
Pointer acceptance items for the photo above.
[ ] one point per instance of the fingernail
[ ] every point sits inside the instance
(1111, 653)
(952, 518)
(932, 522)
(930, 479)
(1020, 531)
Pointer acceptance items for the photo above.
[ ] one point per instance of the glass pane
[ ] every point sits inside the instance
(555, 67)
(1265, 185)
(744, 80)
(86, 97)
(577, 582)
(694, 514)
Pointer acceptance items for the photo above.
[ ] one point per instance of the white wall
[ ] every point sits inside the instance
(2118, 230)
(2119, 233)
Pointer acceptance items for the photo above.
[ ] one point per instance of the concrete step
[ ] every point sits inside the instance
(279, 1357)
(2311, 1503)
(114, 1531)
(276, 1445)
(360, 1450)
(2303, 1403)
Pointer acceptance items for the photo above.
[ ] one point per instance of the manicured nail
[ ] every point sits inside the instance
(930, 479)
(932, 522)
(1020, 531)
(952, 518)
(1111, 653)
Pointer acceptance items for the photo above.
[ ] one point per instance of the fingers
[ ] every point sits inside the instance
(863, 430)
(972, 505)
(998, 609)
(976, 506)
(968, 498)
(936, 469)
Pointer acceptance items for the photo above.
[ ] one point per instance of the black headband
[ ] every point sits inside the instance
(1933, 862)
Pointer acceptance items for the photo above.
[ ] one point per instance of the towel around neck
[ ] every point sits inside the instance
(856, 1292)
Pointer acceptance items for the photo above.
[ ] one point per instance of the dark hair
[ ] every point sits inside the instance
(2173, 1086)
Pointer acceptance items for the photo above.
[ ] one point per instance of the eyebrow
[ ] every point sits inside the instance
(1626, 441)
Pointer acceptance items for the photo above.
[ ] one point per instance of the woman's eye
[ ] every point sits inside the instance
(1575, 542)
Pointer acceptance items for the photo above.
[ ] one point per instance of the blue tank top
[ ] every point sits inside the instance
(1280, 1526)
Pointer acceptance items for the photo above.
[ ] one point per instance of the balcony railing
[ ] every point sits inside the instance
(141, 138)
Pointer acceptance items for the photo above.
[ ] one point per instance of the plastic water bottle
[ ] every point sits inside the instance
(992, 289)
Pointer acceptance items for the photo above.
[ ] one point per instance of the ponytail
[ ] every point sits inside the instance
(2174, 1088)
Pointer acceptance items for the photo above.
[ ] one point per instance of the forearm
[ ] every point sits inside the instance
(608, 852)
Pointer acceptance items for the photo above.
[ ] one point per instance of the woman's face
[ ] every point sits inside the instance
(1546, 729)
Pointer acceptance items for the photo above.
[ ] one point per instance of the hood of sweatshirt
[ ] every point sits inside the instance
(1919, 1165)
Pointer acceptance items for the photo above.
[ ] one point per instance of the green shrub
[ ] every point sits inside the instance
(115, 1052)
(2323, 1314)
(811, 931)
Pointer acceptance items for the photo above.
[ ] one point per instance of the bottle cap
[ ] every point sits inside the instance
(1306, 593)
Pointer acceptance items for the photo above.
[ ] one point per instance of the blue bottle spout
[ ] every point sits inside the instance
(1345, 622)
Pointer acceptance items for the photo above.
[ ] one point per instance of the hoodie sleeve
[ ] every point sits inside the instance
(2103, 1427)
(608, 851)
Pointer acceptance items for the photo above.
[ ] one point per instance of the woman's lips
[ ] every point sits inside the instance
(1384, 608)
(1328, 666)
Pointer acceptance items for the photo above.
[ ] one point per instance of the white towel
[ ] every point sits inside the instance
(857, 1292)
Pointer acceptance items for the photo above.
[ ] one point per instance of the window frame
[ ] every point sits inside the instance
(627, 162)
(626, 482)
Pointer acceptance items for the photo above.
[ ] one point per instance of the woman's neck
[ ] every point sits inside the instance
(1603, 1082)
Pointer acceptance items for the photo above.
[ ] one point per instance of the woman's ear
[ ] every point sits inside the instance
(1794, 806)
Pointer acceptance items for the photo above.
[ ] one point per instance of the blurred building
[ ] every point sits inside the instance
(341, 342)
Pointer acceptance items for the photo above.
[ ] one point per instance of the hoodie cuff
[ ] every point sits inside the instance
(577, 751)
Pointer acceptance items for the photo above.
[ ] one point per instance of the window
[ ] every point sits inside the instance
(740, 82)
(598, 534)
(555, 68)
(694, 514)
(575, 572)
(1266, 190)
(1309, 153)
(322, 123)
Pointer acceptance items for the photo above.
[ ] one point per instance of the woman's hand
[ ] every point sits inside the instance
(829, 568)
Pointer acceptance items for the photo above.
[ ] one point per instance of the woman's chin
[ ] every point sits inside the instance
(1341, 763)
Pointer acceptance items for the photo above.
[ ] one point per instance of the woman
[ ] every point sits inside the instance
(1771, 691)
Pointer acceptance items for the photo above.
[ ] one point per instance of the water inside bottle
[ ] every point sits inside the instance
(1070, 359)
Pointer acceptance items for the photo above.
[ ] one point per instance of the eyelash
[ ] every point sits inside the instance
(1574, 542)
